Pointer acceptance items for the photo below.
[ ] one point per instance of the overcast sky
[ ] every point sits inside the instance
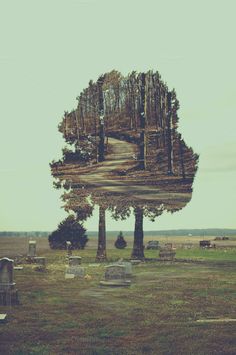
(50, 49)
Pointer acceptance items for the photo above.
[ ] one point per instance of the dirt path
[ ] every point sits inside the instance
(121, 157)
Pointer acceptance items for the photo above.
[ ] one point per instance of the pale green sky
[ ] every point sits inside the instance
(49, 50)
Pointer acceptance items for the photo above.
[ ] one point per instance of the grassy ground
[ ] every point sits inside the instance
(157, 315)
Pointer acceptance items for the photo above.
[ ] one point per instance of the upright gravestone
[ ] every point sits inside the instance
(115, 276)
(32, 249)
(77, 271)
(128, 267)
(74, 268)
(8, 293)
(74, 260)
(167, 253)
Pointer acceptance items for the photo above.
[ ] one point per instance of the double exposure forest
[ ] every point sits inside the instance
(124, 153)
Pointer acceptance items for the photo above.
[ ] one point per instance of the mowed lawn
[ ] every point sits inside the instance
(158, 314)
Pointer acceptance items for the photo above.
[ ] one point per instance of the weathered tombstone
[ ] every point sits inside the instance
(77, 271)
(167, 253)
(169, 246)
(114, 272)
(152, 244)
(128, 267)
(74, 260)
(8, 293)
(115, 276)
(32, 249)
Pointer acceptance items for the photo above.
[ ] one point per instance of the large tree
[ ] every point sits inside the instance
(146, 161)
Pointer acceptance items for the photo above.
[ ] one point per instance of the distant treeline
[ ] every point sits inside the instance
(172, 232)
(24, 234)
(176, 232)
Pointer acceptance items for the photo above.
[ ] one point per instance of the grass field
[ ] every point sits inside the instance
(158, 314)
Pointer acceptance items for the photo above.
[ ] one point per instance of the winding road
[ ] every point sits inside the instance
(105, 176)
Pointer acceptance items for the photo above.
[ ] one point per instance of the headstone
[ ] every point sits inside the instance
(74, 260)
(128, 267)
(8, 293)
(167, 253)
(152, 244)
(115, 276)
(168, 246)
(6, 273)
(32, 249)
(77, 271)
(114, 272)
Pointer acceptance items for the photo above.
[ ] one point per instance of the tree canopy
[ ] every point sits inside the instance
(126, 152)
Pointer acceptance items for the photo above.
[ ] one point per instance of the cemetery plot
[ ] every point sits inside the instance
(167, 303)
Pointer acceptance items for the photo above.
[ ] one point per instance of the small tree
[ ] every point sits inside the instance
(120, 242)
(68, 230)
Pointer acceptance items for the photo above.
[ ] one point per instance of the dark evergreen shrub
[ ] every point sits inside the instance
(120, 242)
(68, 230)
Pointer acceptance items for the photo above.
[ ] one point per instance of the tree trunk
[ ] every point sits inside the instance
(181, 158)
(137, 252)
(77, 126)
(169, 136)
(142, 146)
(95, 134)
(101, 144)
(101, 251)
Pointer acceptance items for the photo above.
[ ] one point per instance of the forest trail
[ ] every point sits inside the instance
(105, 175)
(121, 156)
